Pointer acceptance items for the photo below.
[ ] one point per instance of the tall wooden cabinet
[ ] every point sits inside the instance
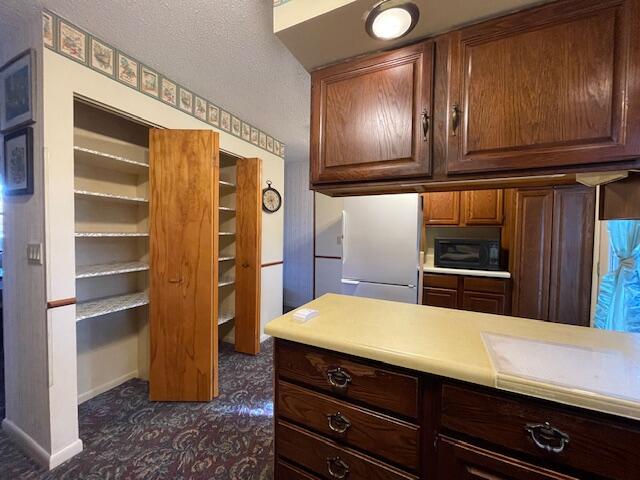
(205, 250)
(372, 118)
(553, 254)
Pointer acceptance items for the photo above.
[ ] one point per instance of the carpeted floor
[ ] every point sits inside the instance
(128, 437)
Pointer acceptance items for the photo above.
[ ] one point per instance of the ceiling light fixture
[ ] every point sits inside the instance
(391, 19)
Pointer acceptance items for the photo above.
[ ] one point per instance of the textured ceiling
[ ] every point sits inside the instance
(224, 50)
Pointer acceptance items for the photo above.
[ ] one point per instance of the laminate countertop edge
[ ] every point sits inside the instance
(448, 343)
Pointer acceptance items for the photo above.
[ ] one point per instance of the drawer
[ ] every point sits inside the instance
(489, 285)
(284, 471)
(440, 297)
(603, 447)
(378, 434)
(441, 281)
(484, 302)
(375, 386)
(328, 459)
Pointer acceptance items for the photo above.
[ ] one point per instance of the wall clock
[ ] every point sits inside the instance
(271, 199)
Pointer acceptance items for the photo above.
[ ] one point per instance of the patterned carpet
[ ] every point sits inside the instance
(127, 437)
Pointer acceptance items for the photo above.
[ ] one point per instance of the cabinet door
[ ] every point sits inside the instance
(484, 302)
(371, 118)
(532, 253)
(441, 208)
(462, 461)
(183, 294)
(440, 297)
(572, 255)
(483, 207)
(548, 87)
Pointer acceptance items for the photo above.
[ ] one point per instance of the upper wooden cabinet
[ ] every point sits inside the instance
(549, 87)
(473, 207)
(371, 119)
(483, 207)
(441, 208)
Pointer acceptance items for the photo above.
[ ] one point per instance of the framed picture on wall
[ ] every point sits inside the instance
(18, 162)
(17, 91)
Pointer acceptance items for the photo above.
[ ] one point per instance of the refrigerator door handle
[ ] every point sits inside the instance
(346, 281)
(344, 236)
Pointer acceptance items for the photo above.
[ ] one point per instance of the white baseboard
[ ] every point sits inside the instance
(65, 454)
(83, 397)
(35, 450)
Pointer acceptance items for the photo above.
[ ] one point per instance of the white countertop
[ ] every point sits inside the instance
(451, 343)
(471, 273)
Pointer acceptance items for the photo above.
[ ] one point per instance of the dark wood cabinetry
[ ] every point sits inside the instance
(544, 88)
(548, 90)
(469, 208)
(486, 295)
(371, 119)
(553, 254)
(459, 432)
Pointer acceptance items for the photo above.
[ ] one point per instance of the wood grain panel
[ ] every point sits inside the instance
(621, 200)
(183, 265)
(463, 461)
(372, 385)
(483, 207)
(440, 297)
(366, 119)
(545, 87)
(494, 303)
(572, 255)
(317, 454)
(286, 471)
(604, 447)
(380, 435)
(532, 253)
(248, 254)
(490, 285)
(441, 208)
(441, 281)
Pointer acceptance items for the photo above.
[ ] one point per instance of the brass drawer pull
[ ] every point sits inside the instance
(337, 467)
(547, 438)
(338, 378)
(338, 422)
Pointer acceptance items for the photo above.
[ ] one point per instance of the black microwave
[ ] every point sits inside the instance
(468, 254)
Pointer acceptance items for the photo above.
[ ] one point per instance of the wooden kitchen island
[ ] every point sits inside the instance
(372, 389)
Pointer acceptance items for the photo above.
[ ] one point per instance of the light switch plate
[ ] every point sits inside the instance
(34, 253)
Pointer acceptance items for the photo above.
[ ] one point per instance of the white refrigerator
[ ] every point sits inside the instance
(380, 246)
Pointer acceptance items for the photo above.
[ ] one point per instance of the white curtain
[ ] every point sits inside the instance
(619, 298)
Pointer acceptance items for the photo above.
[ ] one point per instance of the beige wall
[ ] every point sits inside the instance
(25, 319)
(64, 79)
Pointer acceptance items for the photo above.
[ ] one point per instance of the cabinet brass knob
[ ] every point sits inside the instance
(338, 378)
(338, 422)
(337, 467)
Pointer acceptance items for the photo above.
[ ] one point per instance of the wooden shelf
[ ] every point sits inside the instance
(226, 283)
(226, 209)
(108, 197)
(110, 234)
(91, 271)
(225, 317)
(109, 161)
(225, 259)
(226, 234)
(105, 306)
(227, 184)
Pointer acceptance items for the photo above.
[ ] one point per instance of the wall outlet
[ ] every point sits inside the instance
(34, 253)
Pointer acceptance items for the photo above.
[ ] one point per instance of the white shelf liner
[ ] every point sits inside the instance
(89, 271)
(111, 234)
(108, 160)
(110, 197)
(108, 305)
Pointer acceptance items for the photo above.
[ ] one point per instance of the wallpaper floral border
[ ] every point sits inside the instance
(70, 41)
(277, 3)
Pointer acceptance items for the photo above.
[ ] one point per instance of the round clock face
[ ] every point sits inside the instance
(271, 200)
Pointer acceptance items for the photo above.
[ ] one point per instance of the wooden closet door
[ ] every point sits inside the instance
(572, 255)
(548, 87)
(183, 295)
(532, 253)
(248, 254)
